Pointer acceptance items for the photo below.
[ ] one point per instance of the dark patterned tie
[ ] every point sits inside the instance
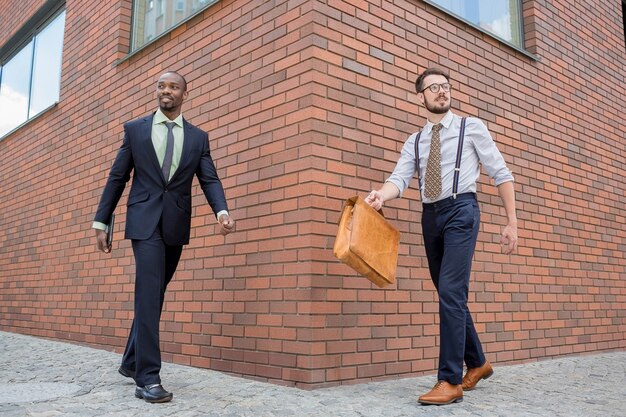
(432, 187)
(169, 151)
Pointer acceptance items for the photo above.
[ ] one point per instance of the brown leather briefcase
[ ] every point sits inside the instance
(367, 242)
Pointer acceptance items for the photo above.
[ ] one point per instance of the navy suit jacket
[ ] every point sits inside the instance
(152, 197)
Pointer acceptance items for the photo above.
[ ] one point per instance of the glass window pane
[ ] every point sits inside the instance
(47, 66)
(14, 89)
(152, 18)
(501, 17)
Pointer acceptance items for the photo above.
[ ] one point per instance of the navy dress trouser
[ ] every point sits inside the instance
(450, 229)
(155, 263)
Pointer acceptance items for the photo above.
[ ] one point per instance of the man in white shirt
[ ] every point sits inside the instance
(450, 223)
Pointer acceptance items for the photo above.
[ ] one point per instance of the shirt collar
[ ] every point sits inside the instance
(160, 117)
(446, 122)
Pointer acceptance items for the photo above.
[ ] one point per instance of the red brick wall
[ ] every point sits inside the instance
(308, 103)
(14, 15)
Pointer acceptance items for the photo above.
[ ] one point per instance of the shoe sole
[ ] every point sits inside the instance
(454, 400)
(484, 377)
(158, 400)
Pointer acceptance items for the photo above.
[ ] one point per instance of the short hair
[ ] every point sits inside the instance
(419, 83)
(181, 77)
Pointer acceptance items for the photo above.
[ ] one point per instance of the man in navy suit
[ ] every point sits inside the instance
(164, 152)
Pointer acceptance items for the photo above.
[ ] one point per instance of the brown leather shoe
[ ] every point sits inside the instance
(474, 375)
(442, 393)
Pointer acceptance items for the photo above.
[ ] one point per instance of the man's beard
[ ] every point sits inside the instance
(435, 109)
(166, 106)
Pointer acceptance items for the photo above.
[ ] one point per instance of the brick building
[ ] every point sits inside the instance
(308, 102)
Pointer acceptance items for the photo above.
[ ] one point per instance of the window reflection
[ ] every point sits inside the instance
(14, 90)
(47, 66)
(30, 80)
(152, 18)
(501, 17)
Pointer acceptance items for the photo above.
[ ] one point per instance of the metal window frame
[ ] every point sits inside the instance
(30, 29)
(492, 34)
(36, 39)
(22, 37)
(134, 16)
(624, 19)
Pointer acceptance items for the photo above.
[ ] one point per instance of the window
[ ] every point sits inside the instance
(624, 18)
(502, 18)
(149, 24)
(30, 79)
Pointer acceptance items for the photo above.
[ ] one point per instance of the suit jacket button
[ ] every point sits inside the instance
(165, 190)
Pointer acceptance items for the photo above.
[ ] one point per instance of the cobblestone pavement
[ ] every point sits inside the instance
(43, 378)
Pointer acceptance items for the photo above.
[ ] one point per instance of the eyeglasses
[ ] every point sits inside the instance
(434, 88)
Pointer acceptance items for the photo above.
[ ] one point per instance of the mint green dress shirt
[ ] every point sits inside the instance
(159, 138)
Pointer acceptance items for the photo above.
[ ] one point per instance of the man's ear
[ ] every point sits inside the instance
(420, 99)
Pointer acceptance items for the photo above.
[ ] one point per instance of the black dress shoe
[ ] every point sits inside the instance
(126, 372)
(153, 393)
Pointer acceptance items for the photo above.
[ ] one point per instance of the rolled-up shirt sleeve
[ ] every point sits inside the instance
(406, 166)
(488, 153)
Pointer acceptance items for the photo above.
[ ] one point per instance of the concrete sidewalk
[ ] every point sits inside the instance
(43, 378)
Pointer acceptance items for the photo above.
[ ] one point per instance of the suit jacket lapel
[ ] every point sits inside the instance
(187, 140)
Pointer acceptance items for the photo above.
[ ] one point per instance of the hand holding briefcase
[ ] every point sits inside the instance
(367, 242)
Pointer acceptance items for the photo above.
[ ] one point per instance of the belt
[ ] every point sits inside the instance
(447, 202)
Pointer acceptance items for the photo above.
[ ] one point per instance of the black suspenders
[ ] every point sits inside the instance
(457, 166)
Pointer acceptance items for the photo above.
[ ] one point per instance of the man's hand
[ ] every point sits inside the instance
(375, 200)
(508, 240)
(101, 240)
(387, 192)
(227, 224)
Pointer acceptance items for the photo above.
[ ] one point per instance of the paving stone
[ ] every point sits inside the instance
(44, 378)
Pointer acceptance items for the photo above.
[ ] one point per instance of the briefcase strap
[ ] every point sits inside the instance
(457, 166)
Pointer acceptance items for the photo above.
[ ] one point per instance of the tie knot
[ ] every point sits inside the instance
(170, 125)
(437, 127)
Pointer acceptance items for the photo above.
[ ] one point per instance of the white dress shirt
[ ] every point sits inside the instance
(478, 148)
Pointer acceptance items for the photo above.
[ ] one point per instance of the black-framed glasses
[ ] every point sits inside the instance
(434, 88)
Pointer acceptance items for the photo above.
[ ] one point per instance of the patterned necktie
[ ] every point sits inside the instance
(169, 151)
(432, 187)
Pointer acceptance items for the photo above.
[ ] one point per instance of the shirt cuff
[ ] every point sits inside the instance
(99, 226)
(219, 213)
